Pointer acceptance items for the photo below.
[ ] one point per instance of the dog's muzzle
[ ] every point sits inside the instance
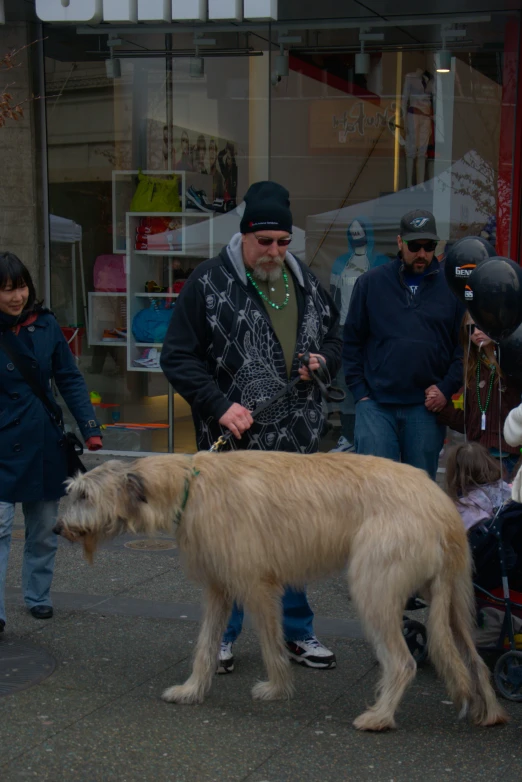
(58, 528)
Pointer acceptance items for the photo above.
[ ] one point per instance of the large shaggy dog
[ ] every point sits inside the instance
(251, 522)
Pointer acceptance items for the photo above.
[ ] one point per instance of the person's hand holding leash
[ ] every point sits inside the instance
(435, 399)
(237, 419)
(313, 364)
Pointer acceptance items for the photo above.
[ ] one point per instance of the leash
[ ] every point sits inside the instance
(321, 377)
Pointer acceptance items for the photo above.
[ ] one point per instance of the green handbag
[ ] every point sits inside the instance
(156, 195)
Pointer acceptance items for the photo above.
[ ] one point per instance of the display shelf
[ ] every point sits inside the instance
(191, 237)
(105, 313)
(157, 295)
(123, 189)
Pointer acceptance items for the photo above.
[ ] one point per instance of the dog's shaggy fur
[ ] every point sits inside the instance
(257, 521)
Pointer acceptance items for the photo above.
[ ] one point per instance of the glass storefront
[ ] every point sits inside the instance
(151, 150)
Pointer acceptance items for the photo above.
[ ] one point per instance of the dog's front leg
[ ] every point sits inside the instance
(264, 603)
(217, 611)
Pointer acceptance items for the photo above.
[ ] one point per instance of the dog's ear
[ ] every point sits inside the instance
(136, 487)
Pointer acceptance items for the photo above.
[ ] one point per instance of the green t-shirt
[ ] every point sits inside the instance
(284, 321)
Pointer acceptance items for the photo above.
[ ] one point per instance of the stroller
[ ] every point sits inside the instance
(496, 546)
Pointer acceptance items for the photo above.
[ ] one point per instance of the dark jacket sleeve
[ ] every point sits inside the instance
(356, 331)
(183, 357)
(453, 380)
(72, 387)
(332, 345)
(452, 417)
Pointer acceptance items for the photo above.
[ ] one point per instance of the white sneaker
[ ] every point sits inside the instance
(311, 652)
(343, 446)
(225, 658)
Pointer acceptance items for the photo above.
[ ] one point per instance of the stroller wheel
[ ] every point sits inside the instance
(508, 675)
(416, 638)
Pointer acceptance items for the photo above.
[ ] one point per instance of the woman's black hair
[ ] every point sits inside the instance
(14, 272)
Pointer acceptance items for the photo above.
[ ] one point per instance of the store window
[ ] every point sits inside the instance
(150, 149)
(375, 128)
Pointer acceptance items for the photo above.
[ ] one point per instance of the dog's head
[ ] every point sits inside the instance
(101, 504)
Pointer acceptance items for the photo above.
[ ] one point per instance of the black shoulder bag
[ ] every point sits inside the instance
(73, 446)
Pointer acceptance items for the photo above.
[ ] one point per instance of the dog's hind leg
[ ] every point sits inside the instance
(379, 598)
(484, 707)
(217, 610)
(264, 603)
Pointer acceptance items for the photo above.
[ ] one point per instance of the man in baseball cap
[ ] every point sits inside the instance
(401, 354)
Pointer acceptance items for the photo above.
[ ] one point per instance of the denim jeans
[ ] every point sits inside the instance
(39, 550)
(298, 618)
(404, 433)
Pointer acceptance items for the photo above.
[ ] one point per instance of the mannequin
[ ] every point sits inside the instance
(417, 111)
(346, 270)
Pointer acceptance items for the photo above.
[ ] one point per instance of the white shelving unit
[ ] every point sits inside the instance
(191, 237)
(146, 265)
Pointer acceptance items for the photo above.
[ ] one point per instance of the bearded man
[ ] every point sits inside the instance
(239, 327)
(402, 357)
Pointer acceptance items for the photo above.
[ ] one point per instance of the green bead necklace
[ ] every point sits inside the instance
(488, 397)
(265, 297)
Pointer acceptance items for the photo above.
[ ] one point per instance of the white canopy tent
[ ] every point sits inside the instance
(64, 231)
(218, 232)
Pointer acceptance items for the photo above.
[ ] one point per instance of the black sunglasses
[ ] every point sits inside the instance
(266, 241)
(471, 328)
(415, 246)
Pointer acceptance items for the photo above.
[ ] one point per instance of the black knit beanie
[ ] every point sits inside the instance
(267, 209)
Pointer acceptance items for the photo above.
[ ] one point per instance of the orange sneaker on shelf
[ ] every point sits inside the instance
(111, 335)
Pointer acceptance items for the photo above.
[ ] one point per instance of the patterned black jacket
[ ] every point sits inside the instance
(221, 348)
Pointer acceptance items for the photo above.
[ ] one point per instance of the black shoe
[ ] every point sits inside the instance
(2, 625)
(42, 612)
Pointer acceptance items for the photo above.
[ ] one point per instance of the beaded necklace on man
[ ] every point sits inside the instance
(265, 297)
(482, 409)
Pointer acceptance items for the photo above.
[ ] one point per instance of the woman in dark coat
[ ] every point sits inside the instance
(33, 464)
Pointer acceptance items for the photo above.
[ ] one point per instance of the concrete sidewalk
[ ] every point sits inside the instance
(125, 629)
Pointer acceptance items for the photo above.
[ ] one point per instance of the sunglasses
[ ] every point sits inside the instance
(415, 246)
(266, 241)
(471, 328)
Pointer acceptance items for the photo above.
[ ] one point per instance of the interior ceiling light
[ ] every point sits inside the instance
(443, 61)
(113, 65)
(362, 58)
(451, 33)
(282, 67)
(197, 65)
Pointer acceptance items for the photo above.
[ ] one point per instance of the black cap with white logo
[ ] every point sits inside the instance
(418, 224)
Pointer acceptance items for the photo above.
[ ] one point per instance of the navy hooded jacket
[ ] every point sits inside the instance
(397, 344)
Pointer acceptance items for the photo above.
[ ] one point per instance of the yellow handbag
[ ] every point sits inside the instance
(154, 194)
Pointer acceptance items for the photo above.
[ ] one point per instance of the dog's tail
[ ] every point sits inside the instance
(451, 646)
(484, 706)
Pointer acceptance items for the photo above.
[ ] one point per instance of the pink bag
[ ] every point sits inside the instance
(109, 273)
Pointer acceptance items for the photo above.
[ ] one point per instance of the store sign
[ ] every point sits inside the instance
(94, 11)
(352, 125)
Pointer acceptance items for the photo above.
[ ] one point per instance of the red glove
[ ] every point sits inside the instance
(94, 443)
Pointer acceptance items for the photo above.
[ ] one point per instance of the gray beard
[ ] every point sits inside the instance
(263, 276)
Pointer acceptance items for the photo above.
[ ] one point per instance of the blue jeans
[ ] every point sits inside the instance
(298, 618)
(39, 550)
(404, 433)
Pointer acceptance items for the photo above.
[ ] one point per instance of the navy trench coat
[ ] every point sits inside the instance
(33, 464)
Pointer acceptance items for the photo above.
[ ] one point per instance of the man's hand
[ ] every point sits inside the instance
(237, 419)
(313, 364)
(435, 399)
